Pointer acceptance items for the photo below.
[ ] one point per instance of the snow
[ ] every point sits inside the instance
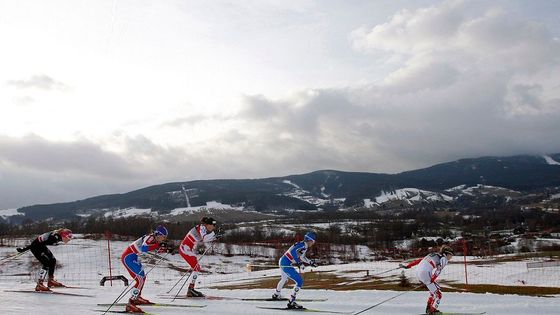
(209, 205)
(550, 160)
(342, 301)
(485, 189)
(410, 195)
(291, 183)
(83, 264)
(9, 213)
(368, 203)
(305, 195)
(127, 212)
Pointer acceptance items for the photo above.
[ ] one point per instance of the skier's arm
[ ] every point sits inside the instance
(43, 239)
(412, 264)
(305, 259)
(149, 244)
(295, 252)
(439, 269)
(210, 237)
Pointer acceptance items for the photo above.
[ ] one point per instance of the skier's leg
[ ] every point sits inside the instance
(52, 267)
(282, 282)
(434, 298)
(42, 273)
(192, 260)
(134, 268)
(296, 277)
(437, 296)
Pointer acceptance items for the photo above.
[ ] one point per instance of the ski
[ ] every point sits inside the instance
(210, 297)
(70, 287)
(155, 305)
(124, 312)
(207, 297)
(302, 310)
(282, 299)
(458, 313)
(48, 292)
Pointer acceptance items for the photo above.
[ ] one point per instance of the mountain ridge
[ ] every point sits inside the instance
(321, 189)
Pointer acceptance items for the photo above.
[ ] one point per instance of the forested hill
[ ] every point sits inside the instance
(325, 189)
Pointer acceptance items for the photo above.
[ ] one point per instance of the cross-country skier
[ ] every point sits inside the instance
(132, 263)
(39, 249)
(428, 270)
(294, 257)
(203, 232)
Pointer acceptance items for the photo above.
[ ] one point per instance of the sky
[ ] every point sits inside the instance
(109, 96)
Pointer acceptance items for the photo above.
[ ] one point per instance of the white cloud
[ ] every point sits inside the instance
(43, 82)
(458, 79)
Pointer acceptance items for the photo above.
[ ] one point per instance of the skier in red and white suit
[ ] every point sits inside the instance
(428, 270)
(204, 232)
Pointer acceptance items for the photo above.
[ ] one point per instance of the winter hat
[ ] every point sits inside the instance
(310, 236)
(161, 230)
(447, 250)
(208, 220)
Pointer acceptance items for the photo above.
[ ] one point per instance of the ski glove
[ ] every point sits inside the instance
(219, 232)
(21, 250)
(167, 248)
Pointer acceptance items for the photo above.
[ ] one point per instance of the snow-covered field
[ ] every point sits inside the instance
(342, 301)
(84, 262)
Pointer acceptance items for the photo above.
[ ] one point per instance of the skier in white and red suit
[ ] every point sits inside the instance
(428, 270)
(203, 232)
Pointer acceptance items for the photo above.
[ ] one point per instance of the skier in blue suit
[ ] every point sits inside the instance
(295, 257)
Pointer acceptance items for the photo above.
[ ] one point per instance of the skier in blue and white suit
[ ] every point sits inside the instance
(294, 257)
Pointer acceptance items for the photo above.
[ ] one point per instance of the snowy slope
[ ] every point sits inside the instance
(344, 301)
(550, 160)
(83, 263)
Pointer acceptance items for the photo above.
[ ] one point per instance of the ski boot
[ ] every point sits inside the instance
(194, 293)
(276, 297)
(293, 305)
(54, 284)
(41, 287)
(432, 311)
(142, 301)
(132, 308)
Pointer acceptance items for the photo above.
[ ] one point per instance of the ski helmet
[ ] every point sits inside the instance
(310, 236)
(208, 220)
(447, 250)
(161, 230)
(65, 233)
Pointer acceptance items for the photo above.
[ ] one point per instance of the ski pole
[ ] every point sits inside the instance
(192, 269)
(387, 300)
(10, 257)
(380, 273)
(126, 290)
(188, 273)
(176, 283)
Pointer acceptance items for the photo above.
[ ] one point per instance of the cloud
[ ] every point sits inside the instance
(467, 80)
(85, 157)
(472, 81)
(43, 82)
